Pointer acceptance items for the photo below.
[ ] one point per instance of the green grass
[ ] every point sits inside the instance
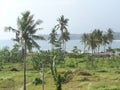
(104, 77)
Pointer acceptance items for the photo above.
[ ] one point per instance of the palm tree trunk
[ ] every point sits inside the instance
(24, 58)
(104, 48)
(42, 76)
(84, 47)
(65, 46)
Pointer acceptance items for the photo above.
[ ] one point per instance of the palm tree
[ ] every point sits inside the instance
(84, 39)
(91, 42)
(98, 36)
(62, 26)
(26, 35)
(53, 38)
(110, 35)
(104, 41)
(66, 38)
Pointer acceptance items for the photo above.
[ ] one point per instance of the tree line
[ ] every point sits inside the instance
(97, 38)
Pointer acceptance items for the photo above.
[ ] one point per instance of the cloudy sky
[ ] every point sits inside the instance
(83, 15)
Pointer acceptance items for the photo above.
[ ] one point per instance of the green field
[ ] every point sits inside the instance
(104, 75)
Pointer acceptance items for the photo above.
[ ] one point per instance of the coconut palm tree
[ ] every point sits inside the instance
(91, 42)
(84, 39)
(53, 38)
(62, 26)
(98, 36)
(26, 35)
(66, 38)
(110, 35)
(104, 41)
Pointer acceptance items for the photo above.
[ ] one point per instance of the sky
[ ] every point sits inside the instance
(84, 15)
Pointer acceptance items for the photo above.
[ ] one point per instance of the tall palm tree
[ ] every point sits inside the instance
(91, 42)
(98, 36)
(62, 26)
(26, 35)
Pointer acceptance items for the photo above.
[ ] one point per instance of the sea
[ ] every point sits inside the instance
(45, 45)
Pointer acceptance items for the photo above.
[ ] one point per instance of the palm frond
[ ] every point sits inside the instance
(38, 37)
(34, 44)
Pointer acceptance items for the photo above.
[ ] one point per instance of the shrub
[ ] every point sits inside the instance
(14, 69)
(37, 81)
(66, 76)
(72, 55)
(102, 71)
(118, 72)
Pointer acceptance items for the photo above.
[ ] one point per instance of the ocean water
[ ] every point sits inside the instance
(45, 45)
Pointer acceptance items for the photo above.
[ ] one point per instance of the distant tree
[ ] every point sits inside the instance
(91, 42)
(53, 38)
(104, 41)
(84, 39)
(76, 50)
(62, 26)
(66, 36)
(16, 54)
(110, 35)
(98, 36)
(25, 35)
(40, 60)
(4, 56)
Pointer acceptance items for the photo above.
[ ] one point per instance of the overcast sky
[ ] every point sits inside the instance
(83, 15)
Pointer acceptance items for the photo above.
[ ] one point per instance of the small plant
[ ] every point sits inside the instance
(58, 83)
(66, 77)
(102, 71)
(37, 81)
(14, 69)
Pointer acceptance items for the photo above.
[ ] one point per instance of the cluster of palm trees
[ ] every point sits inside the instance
(97, 38)
(61, 39)
(26, 34)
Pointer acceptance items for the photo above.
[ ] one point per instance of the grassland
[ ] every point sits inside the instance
(104, 76)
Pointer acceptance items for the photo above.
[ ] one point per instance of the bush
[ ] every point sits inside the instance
(80, 55)
(66, 76)
(14, 69)
(102, 71)
(37, 81)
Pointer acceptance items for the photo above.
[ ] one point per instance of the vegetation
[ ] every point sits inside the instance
(74, 73)
(64, 35)
(56, 69)
(25, 35)
(97, 38)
